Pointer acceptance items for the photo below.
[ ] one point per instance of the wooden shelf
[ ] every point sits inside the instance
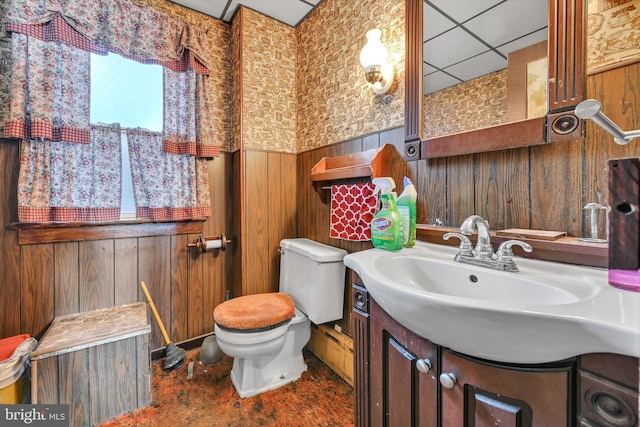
(569, 250)
(370, 163)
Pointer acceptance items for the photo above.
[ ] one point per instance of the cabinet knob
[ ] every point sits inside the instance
(360, 299)
(423, 365)
(448, 380)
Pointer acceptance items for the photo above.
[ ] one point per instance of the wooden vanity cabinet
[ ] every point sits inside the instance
(490, 394)
(394, 388)
(403, 377)
(396, 373)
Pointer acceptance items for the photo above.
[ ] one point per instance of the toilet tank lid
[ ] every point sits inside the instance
(314, 250)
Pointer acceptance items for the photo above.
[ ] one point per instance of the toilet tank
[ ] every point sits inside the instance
(313, 275)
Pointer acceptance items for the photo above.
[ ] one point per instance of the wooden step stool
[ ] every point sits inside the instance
(97, 362)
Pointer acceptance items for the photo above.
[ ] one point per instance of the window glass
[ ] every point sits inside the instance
(126, 92)
(130, 93)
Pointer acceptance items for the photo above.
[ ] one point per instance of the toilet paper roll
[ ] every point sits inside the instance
(214, 244)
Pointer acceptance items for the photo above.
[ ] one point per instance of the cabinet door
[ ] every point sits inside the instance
(403, 382)
(360, 330)
(486, 395)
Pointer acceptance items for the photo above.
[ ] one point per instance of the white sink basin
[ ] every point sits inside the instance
(441, 276)
(545, 312)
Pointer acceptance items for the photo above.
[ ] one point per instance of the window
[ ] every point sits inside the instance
(129, 93)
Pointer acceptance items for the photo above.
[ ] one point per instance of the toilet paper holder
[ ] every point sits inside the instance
(211, 242)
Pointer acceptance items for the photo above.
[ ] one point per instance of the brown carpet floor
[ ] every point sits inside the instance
(319, 398)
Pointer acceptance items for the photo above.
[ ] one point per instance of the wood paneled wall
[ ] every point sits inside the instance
(542, 187)
(314, 202)
(41, 281)
(265, 210)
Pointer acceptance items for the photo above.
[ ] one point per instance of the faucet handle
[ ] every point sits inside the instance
(465, 247)
(505, 254)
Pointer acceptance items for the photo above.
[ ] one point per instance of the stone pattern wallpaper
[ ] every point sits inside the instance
(236, 88)
(267, 86)
(475, 104)
(334, 102)
(219, 81)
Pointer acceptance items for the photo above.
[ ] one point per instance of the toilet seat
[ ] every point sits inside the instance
(254, 313)
(249, 338)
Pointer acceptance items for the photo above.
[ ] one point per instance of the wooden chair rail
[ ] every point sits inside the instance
(31, 233)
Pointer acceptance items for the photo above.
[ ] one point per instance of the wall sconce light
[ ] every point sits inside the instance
(373, 58)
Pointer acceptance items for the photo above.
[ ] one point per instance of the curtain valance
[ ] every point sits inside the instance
(49, 91)
(139, 33)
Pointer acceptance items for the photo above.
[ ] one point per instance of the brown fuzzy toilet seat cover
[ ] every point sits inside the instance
(256, 311)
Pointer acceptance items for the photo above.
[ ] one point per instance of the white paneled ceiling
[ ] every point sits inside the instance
(291, 12)
(465, 39)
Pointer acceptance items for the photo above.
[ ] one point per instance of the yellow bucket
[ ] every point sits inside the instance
(15, 375)
(17, 391)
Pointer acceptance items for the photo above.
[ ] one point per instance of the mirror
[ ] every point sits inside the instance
(500, 58)
(485, 63)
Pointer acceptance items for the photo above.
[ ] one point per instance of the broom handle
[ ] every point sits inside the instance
(155, 312)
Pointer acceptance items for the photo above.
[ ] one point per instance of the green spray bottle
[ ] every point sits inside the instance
(407, 208)
(386, 226)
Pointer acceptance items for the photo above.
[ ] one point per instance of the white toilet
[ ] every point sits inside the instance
(265, 333)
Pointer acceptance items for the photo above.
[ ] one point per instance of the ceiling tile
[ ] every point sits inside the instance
(211, 8)
(478, 66)
(451, 47)
(438, 81)
(520, 43)
(288, 11)
(509, 20)
(461, 10)
(428, 69)
(434, 23)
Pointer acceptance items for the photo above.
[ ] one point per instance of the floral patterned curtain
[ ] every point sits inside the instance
(140, 33)
(185, 103)
(50, 111)
(49, 92)
(64, 181)
(166, 186)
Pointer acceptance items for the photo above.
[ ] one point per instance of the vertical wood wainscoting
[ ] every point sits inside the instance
(44, 280)
(314, 202)
(264, 212)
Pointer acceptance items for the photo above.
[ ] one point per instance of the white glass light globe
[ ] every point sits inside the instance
(374, 52)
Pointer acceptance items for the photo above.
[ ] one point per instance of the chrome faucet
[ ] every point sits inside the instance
(483, 246)
(483, 255)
